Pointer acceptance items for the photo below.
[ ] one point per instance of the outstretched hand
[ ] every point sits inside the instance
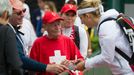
(56, 68)
(74, 64)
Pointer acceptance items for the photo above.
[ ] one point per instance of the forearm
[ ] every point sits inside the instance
(33, 65)
(96, 61)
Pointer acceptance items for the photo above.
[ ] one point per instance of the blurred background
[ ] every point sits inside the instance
(125, 6)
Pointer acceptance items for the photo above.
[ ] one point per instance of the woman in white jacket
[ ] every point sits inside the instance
(110, 36)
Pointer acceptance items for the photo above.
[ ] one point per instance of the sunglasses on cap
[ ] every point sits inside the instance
(20, 12)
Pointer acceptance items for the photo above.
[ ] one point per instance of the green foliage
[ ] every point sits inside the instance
(95, 43)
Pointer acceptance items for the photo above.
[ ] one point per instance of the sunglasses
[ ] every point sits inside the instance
(20, 12)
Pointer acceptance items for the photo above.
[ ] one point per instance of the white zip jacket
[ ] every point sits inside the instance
(110, 35)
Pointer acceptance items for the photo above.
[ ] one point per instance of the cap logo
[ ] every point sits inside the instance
(71, 6)
(53, 14)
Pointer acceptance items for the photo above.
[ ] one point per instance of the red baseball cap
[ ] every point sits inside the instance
(68, 7)
(50, 17)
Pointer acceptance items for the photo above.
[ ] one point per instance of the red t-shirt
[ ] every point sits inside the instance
(44, 48)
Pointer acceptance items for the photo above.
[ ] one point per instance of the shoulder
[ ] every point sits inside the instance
(6, 28)
(7, 31)
(64, 37)
(81, 29)
(109, 28)
(40, 39)
(3, 26)
(111, 24)
(26, 23)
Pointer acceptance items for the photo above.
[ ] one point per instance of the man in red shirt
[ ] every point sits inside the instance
(54, 48)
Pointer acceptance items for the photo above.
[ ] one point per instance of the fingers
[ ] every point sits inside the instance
(65, 65)
(65, 62)
(61, 68)
(78, 61)
(65, 68)
(80, 66)
(55, 68)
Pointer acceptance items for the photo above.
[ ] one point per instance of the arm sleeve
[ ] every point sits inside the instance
(11, 49)
(31, 64)
(11, 52)
(83, 42)
(36, 66)
(107, 38)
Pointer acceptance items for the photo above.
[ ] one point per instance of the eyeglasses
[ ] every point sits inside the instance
(20, 12)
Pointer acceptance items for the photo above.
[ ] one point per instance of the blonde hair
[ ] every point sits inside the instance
(90, 4)
(51, 5)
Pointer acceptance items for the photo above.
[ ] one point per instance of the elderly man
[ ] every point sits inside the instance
(54, 48)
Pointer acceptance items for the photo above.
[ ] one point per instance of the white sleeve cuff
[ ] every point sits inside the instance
(88, 64)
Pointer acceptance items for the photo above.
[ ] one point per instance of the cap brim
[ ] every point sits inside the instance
(55, 19)
(70, 10)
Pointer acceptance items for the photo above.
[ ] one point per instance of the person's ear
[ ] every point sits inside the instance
(5, 15)
(4, 18)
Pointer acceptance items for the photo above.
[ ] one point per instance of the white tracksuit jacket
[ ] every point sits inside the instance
(110, 35)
